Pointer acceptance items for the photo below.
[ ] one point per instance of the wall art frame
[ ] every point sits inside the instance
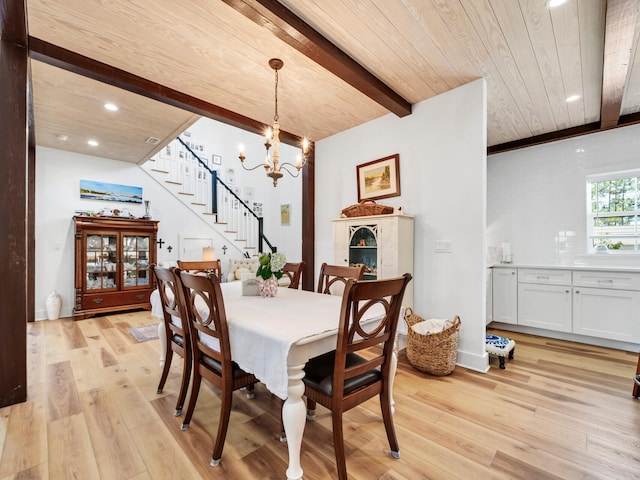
(379, 178)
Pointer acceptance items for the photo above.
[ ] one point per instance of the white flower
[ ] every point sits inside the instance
(277, 261)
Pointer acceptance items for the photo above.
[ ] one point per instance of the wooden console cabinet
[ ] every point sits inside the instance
(112, 264)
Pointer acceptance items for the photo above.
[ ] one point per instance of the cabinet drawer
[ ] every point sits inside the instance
(544, 277)
(615, 280)
(115, 299)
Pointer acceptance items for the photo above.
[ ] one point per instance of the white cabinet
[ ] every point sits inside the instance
(544, 306)
(595, 303)
(544, 299)
(489, 298)
(382, 243)
(505, 295)
(612, 312)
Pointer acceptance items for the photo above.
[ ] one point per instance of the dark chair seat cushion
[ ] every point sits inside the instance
(319, 373)
(177, 339)
(215, 366)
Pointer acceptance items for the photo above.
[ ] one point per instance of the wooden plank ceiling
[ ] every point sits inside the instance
(346, 62)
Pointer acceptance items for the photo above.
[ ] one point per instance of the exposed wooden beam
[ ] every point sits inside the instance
(620, 24)
(16, 216)
(87, 67)
(545, 138)
(294, 31)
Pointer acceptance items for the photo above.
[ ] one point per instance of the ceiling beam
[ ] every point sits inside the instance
(620, 24)
(102, 72)
(291, 29)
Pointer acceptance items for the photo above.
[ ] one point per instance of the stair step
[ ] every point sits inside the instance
(187, 193)
(220, 223)
(158, 170)
(173, 182)
(241, 240)
(199, 204)
(249, 248)
(230, 231)
(208, 213)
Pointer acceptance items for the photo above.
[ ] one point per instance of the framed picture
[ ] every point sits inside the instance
(92, 190)
(217, 159)
(285, 214)
(379, 178)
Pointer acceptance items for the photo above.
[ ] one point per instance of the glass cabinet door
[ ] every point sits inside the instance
(101, 261)
(363, 249)
(135, 260)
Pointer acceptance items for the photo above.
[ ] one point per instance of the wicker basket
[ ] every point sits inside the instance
(434, 353)
(366, 208)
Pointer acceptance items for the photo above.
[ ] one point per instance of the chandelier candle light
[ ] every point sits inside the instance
(273, 166)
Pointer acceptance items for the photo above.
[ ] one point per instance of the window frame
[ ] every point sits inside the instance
(591, 216)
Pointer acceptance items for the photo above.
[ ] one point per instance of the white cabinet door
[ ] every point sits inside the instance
(489, 299)
(505, 295)
(544, 306)
(607, 313)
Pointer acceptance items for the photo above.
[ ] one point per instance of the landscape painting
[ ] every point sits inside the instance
(110, 192)
(379, 178)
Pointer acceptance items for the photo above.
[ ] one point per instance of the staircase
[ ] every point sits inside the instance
(195, 183)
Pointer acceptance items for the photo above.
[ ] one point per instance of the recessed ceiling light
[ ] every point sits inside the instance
(555, 3)
(62, 138)
(572, 98)
(93, 143)
(111, 107)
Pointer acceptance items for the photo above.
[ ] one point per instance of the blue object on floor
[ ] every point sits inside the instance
(499, 346)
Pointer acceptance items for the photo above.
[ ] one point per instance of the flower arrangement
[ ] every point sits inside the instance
(271, 264)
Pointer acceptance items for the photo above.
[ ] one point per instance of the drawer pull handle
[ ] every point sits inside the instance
(577, 291)
(140, 296)
(566, 291)
(98, 300)
(605, 281)
(543, 277)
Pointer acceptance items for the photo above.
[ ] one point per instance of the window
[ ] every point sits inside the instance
(613, 212)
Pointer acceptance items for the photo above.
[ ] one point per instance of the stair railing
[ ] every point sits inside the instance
(225, 204)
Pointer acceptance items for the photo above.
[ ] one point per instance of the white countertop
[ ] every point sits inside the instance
(598, 268)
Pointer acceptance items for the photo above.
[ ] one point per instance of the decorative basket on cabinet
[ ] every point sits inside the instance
(366, 208)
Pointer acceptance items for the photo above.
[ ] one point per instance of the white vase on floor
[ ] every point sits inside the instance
(54, 305)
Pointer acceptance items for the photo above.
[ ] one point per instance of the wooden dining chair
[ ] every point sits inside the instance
(293, 271)
(209, 266)
(176, 330)
(332, 276)
(342, 379)
(211, 350)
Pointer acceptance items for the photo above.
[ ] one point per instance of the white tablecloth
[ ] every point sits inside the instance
(262, 330)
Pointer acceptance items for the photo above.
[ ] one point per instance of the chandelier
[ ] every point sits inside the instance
(272, 165)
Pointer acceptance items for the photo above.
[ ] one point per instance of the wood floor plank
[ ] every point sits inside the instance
(62, 393)
(559, 410)
(85, 370)
(25, 444)
(70, 452)
(162, 454)
(115, 451)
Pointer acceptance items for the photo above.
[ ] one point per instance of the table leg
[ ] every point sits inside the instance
(392, 377)
(293, 418)
(163, 343)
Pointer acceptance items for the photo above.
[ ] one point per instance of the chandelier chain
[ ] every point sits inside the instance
(276, 94)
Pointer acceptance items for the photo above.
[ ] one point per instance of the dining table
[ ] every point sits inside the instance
(273, 338)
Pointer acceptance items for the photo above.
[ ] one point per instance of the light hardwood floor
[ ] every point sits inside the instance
(559, 410)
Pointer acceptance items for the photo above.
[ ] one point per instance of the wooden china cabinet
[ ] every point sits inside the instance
(112, 263)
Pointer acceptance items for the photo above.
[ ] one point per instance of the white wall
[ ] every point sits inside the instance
(223, 140)
(442, 147)
(58, 175)
(537, 194)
